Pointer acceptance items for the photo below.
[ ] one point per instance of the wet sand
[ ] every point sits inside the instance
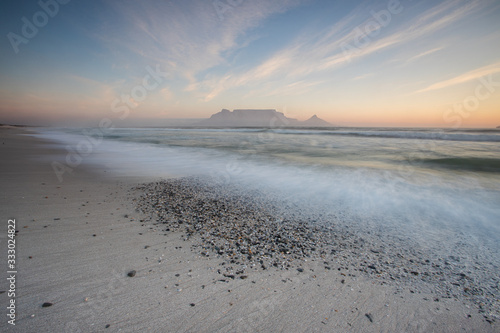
(79, 239)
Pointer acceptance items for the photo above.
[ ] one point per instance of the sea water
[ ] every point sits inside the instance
(438, 188)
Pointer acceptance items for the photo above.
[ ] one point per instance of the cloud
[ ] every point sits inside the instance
(320, 53)
(361, 77)
(425, 53)
(189, 37)
(295, 88)
(469, 76)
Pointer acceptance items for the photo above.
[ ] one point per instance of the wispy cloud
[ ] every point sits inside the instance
(425, 53)
(361, 77)
(323, 52)
(465, 77)
(188, 37)
(294, 88)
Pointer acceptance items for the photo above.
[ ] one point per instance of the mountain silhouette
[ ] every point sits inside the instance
(259, 118)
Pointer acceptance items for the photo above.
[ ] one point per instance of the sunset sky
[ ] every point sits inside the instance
(372, 63)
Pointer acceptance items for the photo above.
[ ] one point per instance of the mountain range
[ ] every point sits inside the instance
(259, 118)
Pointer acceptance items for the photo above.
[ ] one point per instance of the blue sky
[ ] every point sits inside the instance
(372, 63)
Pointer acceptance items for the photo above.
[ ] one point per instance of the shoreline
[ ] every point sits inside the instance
(79, 239)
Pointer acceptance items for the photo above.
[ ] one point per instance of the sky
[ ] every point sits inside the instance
(353, 63)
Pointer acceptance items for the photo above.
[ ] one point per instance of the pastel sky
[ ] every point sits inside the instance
(353, 63)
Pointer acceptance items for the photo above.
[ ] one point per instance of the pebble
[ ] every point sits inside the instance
(46, 304)
(131, 273)
(255, 229)
(242, 229)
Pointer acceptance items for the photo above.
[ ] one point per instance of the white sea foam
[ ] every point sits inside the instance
(361, 181)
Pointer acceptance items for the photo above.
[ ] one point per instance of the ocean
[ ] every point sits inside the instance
(438, 189)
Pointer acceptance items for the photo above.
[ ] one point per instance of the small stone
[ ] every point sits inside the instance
(369, 316)
(192, 304)
(107, 325)
(131, 273)
(46, 304)
(300, 269)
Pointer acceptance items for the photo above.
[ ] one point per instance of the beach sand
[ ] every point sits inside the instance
(78, 239)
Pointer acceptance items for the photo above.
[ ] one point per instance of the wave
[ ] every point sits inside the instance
(477, 136)
(462, 163)
(382, 196)
(471, 135)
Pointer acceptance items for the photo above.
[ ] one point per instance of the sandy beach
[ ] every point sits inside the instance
(100, 265)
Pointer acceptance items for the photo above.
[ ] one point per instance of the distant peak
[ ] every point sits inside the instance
(316, 121)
